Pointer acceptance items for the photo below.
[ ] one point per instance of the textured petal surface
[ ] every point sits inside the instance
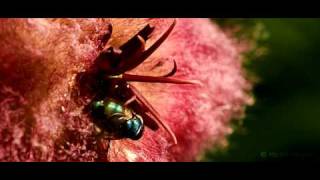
(42, 107)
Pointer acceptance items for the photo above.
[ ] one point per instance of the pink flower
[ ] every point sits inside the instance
(42, 105)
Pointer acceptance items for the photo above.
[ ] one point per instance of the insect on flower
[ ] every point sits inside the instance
(122, 111)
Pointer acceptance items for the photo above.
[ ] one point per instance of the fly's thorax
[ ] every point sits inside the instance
(107, 108)
(119, 89)
(112, 107)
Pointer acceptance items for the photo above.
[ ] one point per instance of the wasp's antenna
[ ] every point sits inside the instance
(173, 71)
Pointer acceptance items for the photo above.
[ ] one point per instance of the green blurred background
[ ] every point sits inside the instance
(284, 124)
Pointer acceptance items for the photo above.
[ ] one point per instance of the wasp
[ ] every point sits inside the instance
(122, 111)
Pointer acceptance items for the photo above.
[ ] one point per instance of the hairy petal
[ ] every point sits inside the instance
(42, 102)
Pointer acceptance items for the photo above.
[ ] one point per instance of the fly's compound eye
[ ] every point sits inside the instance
(133, 128)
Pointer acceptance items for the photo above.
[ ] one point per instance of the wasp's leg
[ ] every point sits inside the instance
(113, 59)
(108, 59)
(139, 107)
(143, 100)
(105, 37)
(127, 53)
(153, 79)
(148, 107)
(103, 146)
(150, 121)
(144, 33)
(129, 62)
(173, 70)
(141, 110)
(169, 73)
(133, 98)
(130, 55)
